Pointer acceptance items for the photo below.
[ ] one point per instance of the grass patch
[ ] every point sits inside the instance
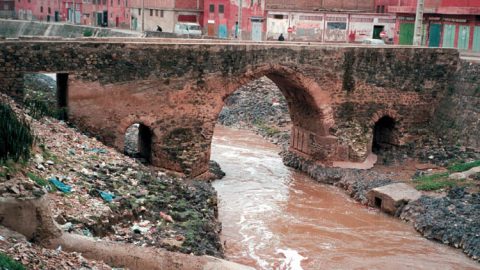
(7, 263)
(461, 167)
(436, 181)
(37, 179)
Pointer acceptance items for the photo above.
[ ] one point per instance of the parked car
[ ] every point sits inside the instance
(192, 29)
(373, 41)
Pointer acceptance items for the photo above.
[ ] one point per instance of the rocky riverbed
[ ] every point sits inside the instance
(100, 193)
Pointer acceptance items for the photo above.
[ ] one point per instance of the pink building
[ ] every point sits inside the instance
(44, 10)
(221, 19)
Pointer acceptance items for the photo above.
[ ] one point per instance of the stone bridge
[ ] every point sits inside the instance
(342, 99)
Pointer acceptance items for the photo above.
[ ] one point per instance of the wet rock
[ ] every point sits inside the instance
(215, 169)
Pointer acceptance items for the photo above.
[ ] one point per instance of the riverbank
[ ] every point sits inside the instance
(452, 218)
(100, 194)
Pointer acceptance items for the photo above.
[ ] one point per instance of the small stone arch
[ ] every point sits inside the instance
(138, 141)
(385, 131)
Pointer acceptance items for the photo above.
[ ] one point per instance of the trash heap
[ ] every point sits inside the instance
(97, 192)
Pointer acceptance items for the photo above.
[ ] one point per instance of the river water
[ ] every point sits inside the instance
(276, 218)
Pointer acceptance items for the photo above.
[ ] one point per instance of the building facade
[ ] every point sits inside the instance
(7, 9)
(225, 19)
(164, 13)
(39, 10)
(327, 20)
(329, 27)
(446, 23)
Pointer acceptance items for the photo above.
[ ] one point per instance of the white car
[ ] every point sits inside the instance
(192, 29)
(373, 41)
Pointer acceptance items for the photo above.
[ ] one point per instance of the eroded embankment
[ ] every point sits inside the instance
(78, 194)
(453, 219)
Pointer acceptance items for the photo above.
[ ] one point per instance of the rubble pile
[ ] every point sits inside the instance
(97, 192)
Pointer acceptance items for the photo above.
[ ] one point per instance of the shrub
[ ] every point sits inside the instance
(7, 263)
(16, 137)
(40, 107)
(87, 33)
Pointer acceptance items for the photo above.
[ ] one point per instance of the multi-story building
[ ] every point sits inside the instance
(7, 9)
(225, 19)
(164, 13)
(38, 10)
(446, 23)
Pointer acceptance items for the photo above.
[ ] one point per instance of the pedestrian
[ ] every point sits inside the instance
(281, 38)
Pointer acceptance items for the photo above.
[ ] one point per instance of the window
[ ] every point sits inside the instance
(161, 13)
(221, 9)
(118, 2)
(151, 12)
(111, 2)
(156, 12)
(49, 10)
(104, 2)
(212, 8)
(382, 9)
(139, 11)
(41, 9)
(378, 9)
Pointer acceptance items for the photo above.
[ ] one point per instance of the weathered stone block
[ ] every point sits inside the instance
(392, 197)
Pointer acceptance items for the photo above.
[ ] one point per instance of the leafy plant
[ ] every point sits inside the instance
(16, 137)
(7, 263)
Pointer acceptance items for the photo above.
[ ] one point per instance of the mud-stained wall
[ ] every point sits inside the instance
(335, 94)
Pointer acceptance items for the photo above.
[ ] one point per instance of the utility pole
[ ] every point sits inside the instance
(418, 32)
(240, 4)
(143, 16)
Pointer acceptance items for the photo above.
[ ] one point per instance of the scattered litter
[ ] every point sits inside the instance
(60, 186)
(107, 196)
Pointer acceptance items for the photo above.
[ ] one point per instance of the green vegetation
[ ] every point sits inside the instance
(434, 182)
(87, 32)
(7, 263)
(461, 167)
(16, 137)
(440, 180)
(39, 107)
(37, 179)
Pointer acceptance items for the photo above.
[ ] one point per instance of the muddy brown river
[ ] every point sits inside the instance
(276, 218)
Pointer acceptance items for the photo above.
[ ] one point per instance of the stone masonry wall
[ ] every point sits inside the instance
(457, 119)
(334, 93)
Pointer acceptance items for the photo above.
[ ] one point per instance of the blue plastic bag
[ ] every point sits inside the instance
(60, 186)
